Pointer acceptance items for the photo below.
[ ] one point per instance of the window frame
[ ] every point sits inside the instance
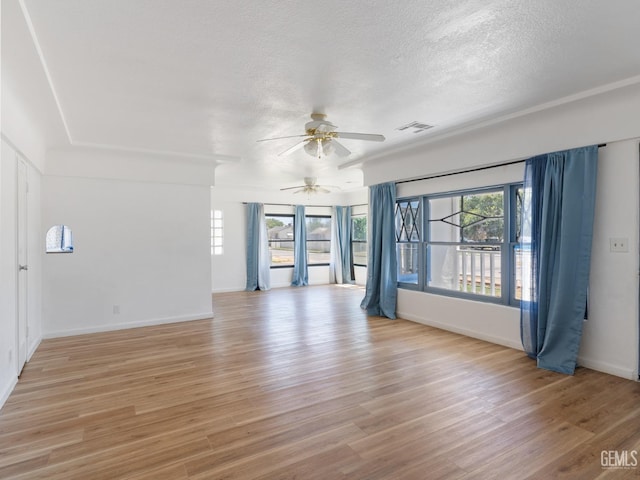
(293, 239)
(421, 233)
(507, 245)
(365, 241)
(322, 264)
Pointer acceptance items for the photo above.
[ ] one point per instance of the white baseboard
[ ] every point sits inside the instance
(33, 347)
(462, 331)
(7, 391)
(609, 368)
(122, 326)
(242, 289)
(599, 366)
(228, 290)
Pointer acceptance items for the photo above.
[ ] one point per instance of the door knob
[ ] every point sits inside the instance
(23, 267)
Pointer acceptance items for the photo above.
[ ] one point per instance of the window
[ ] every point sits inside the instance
(216, 232)
(408, 239)
(359, 240)
(318, 239)
(462, 244)
(281, 239)
(59, 239)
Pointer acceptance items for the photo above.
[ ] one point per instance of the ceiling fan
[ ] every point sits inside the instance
(310, 186)
(320, 137)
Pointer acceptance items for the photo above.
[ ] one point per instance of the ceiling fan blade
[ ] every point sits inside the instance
(292, 188)
(322, 190)
(293, 148)
(340, 149)
(361, 136)
(281, 138)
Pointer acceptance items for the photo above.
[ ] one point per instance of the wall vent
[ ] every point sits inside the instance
(417, 127)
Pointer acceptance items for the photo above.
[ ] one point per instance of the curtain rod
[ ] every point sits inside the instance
(283, 204)
(470, 170)
(295, 204)
(310, 206)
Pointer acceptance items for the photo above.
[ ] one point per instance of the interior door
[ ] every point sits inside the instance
(22, 267)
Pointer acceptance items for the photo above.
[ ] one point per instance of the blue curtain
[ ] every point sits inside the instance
(258, 262)
(340, 267)
(382, 272)
(300, 270)
(557, 229)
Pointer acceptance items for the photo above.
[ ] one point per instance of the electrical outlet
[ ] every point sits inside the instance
(619, 245)
(116, 309)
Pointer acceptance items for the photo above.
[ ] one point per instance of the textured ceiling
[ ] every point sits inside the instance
(207, 79)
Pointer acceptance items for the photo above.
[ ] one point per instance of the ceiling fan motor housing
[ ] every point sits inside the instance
(319, 123)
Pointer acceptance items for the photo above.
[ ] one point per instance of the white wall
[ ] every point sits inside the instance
(142, 248)
(228, 271)
(120, 165)
(610, 340)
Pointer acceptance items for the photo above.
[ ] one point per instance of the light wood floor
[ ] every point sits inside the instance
(300, 384)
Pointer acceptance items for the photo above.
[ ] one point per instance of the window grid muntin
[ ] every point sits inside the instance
(409, 241)
(408, 232)
(461, 225)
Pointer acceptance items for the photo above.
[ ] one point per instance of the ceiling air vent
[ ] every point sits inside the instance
(417, 127)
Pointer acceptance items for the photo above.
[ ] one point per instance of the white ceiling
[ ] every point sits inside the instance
(206, 79)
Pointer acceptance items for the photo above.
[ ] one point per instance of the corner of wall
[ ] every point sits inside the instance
(606, 367)
(4, 395)
(33, 346)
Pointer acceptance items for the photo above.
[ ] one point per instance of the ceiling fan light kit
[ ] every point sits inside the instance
(320, 138)
(319, 147)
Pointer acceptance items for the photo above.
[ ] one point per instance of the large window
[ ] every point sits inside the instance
(359, 240)
(318, 239)
(281, 239)
(462, 243)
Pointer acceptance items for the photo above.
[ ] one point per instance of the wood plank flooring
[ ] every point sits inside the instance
(299, 384)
